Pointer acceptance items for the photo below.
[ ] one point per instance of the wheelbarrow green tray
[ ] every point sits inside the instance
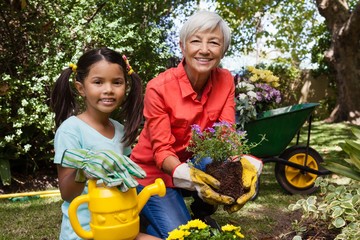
(279, 126)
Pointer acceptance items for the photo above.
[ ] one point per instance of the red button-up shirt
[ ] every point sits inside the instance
(170, 108)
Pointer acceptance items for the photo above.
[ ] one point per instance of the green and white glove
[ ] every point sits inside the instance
(112, 168)
(251, 170)
(193, 179)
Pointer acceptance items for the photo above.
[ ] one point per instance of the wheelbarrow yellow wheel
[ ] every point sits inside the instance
(295, 180)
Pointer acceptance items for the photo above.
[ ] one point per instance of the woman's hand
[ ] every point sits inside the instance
(193, 179)
(251, 170)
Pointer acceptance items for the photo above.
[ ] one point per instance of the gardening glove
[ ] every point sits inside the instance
(193, 179)
(113, 169)
(251, 171)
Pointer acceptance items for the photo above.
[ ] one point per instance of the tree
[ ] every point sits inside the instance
(298, 25)
(39, 38)
(343, 24)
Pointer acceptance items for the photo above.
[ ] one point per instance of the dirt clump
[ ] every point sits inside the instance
(229, 175)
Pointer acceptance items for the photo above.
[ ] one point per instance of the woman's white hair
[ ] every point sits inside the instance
(202, 21)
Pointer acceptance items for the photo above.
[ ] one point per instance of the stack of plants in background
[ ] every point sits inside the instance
(256, 91)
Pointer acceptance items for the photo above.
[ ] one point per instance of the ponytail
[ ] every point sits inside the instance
(62, 100)
(132, 109)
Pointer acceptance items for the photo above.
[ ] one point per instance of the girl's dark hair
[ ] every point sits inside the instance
(63, 97)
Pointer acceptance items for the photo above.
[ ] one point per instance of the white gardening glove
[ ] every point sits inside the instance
(193, 179)
(251, 170)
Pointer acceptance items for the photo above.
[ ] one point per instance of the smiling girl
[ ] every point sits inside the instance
(105, 82)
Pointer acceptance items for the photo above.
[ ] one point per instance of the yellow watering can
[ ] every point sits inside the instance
(114, 214)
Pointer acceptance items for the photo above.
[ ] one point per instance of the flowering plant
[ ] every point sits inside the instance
(197, 230)
(218, 142)
(255, 92)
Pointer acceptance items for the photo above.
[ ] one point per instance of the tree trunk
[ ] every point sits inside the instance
(344, 55)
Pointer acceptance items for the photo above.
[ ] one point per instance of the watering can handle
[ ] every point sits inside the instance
(74, 218)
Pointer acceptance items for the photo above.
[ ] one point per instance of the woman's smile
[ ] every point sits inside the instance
(205, 60)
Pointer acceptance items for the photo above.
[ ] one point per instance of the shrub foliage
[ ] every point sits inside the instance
(39, 38)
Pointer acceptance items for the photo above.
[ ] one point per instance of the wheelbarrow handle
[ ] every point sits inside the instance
(295, 165)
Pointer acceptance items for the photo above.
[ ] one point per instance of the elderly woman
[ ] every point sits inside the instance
(197, 91)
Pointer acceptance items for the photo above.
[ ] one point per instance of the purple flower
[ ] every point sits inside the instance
(222, 123)
(218, 142)
(211, 130)
(265, 93)
(196, 128)
(241, 133)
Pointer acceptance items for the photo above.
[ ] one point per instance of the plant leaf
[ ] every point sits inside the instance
(352, 146)
(353, 150)
(355, 160)
(337, 161)
(354, 153)
(339, 222)
(356, 132)
(338, 211)
(5, 173)
(342, 170)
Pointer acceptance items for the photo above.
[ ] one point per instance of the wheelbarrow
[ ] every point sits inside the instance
(296, 167)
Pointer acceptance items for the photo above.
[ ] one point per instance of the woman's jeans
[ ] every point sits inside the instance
(164, 214)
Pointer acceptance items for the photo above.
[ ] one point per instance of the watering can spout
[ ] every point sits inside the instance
(157, 188)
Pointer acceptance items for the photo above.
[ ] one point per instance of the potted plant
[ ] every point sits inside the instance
(196, 229)
(224, 145)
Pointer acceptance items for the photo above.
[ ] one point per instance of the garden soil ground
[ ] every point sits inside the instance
(46, 178)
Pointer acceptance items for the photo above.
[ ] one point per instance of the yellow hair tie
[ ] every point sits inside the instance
(128, 67)
(73, 67)
(130, 71)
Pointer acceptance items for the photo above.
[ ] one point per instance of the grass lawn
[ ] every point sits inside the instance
(38, 219)
(266, 217)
